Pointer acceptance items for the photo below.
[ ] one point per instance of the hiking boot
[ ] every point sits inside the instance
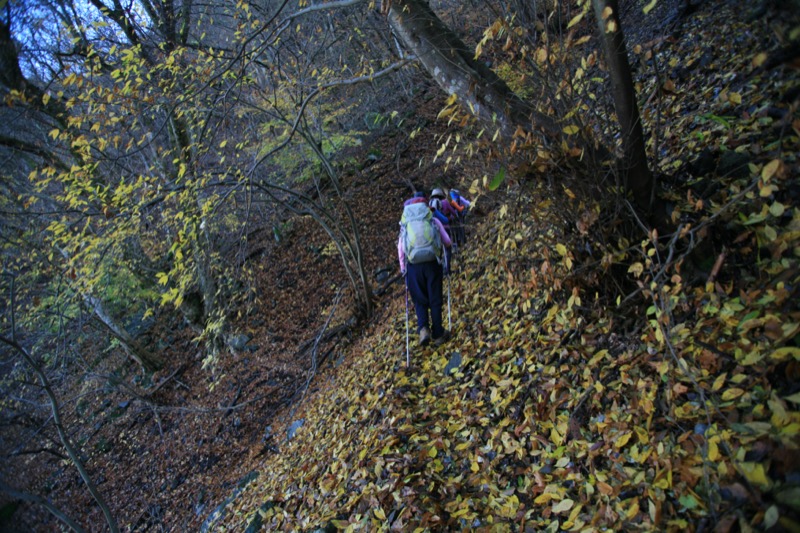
(424, 336)
(443, 339)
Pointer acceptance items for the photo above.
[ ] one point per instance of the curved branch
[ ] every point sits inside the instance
(14, 493)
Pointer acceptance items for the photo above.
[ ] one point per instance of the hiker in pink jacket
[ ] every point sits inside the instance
(424, 276)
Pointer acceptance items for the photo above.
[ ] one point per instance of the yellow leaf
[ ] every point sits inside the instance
(718, 383)
(571, 130)
(759, 59)
(54, 133)
(380, 514)
(782, 354)
(432, 452)
(755, 473)
(633, 510)
(637, 269)
(649, 7)
(576, 19)
(544, 498)
(607, 12)
(541, 55)
(622, 440)
(713, 450)
(731, 394)
(735, 98)
(561, 249)
(770, 169)
(563, 506)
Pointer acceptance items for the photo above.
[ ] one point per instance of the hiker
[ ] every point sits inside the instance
(461, 205)
(442, 209)
(419, 249)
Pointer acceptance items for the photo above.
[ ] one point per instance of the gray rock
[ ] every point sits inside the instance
(221, 510)
(453, 364)
(238, 342)
(292, 431)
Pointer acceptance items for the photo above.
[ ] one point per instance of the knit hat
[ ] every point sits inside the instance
(419, 194)
(437, 192)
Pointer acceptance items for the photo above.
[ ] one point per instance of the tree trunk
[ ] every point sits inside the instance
(452, 65)
(637, 178)
(147, 359)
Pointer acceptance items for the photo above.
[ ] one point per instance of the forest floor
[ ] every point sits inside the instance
(550, 408)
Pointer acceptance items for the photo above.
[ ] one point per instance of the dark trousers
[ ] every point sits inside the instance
(425, 286)
(458, 233)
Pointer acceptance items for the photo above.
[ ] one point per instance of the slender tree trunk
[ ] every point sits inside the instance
(636, 174)
(453, 66)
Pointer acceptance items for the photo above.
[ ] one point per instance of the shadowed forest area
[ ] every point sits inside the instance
(203, 325)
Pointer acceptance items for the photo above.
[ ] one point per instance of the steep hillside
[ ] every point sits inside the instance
(541, 413)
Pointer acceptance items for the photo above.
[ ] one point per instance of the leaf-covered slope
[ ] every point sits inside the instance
(551, 420)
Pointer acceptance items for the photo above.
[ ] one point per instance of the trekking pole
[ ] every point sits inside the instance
(408, 355)
(449, 322)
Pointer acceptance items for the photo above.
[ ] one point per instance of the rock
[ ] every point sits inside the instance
(219, 512)
(704, 164)
(292, 431)
(255, 523)
(734, 164)
(238, 342)
(453, 364)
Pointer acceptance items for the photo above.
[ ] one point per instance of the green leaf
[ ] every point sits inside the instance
(688, 501)
(497, 180)
(794, 398)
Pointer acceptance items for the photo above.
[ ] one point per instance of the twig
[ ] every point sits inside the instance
(717, 266)
(313, 370)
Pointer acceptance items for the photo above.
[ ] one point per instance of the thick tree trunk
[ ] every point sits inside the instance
(452, 65)
(636, 174)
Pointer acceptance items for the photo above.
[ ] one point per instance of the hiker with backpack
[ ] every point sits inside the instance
(443, 210)
(461, 205)
(420, 250)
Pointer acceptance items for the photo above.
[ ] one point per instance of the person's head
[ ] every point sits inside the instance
(437, 193)
(419, 194)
